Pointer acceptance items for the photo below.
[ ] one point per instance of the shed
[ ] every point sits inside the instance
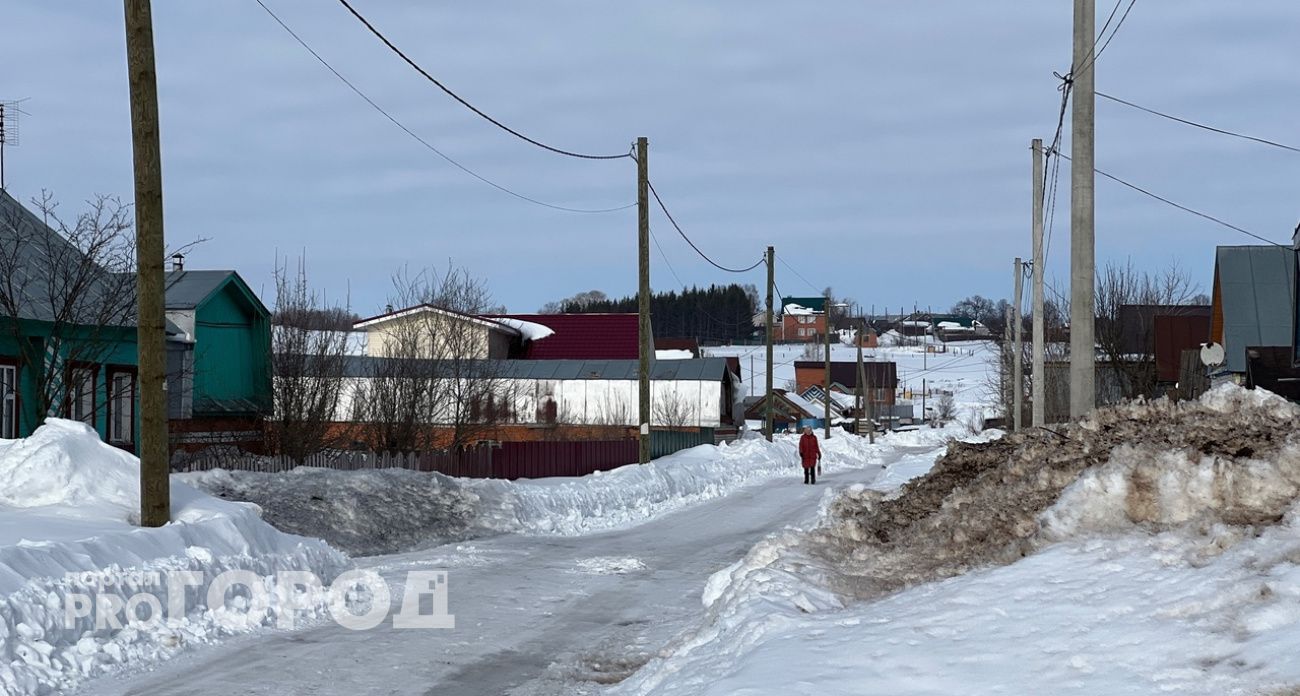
(1253, 300)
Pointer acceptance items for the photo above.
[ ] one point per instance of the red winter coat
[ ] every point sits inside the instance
(809, 450)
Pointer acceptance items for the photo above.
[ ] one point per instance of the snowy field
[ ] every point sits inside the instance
(962, 370)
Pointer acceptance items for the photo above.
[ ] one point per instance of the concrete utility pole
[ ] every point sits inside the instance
(771, 283)
(155, 484)
(1083, 361)
(1006, 366)
(827, 315)
(1017, 347)
(1039, 368)
(646, 349)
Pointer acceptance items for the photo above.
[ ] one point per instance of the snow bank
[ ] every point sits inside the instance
(68, 512)
(387, 511)
(635, 493)
(1152, 547)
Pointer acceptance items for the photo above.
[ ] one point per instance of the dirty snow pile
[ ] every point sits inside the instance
(388, 511)
(1151, 548)
(70, 547)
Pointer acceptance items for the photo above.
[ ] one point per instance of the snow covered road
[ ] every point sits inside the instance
(534, 614)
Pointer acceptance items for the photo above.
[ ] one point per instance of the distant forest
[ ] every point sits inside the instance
(716, 314)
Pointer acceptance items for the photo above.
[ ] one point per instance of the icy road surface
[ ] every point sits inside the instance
(534, 615)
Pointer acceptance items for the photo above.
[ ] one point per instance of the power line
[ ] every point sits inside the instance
(1179, 206)
(393, 47)
(704, 256)
(1095, 54)
(798, 274)
(1195, 124)
(667, 263)
(420, 139)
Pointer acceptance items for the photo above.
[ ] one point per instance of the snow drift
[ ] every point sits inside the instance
(68, 513)
(390, 511)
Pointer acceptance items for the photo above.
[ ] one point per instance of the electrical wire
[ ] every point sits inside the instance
(1195, 124)
(1098, 45)
(704, 256)
(1179, 206)
(420, 139)
(797, 273)
(393, 47)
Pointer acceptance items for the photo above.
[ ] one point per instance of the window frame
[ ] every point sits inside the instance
(112, 372)
(16, 397)
(69, 395)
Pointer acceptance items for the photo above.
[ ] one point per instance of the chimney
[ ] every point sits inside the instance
(178, 262)
(388, 309)
(1295, 238)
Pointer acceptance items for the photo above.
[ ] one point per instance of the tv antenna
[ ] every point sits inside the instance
(9, 112)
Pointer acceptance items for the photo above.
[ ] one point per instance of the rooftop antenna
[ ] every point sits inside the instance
(9, 112)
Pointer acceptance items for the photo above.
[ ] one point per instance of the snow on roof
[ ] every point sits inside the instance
(673, 354)
(531, 331)
(797, 310)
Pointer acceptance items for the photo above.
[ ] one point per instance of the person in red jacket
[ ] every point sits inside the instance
(809, 454)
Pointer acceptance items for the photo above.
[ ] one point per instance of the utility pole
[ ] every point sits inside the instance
(923, 395)
(864, 377)
(771, 283)
(1039, 368)
(155, 483)
(1017, 366)
(1083, 361)
(863, 403)
(646, 348)
(1006, 367)
(827, 316)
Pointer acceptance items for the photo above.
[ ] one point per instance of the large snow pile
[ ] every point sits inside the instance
(1153, 547)
(68, 512)
(386, 511)
(1229, 457)
(365, 513)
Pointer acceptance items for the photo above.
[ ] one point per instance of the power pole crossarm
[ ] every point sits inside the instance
(155, 484)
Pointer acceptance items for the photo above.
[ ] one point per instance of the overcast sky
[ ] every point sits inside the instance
(881, 147)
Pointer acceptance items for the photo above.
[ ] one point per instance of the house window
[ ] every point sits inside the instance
(81, 395)
(8, 401)
(121, 407)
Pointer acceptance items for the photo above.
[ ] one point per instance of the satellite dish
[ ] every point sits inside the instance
(1211, 354)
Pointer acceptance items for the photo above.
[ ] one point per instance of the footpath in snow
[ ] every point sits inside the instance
(1152, 548)
(393, 511)
(68, 537)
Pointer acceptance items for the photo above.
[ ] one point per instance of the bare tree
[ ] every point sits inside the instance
(674, 410)
(308, 368)
(1127, 302)
(437, 382)
(75, 280)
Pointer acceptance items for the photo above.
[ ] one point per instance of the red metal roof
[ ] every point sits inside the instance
(583, 336)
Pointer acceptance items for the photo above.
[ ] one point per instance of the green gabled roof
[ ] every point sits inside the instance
(816, 304)
(189, 289)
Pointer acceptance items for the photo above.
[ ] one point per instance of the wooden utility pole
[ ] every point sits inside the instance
(155, 484)
(1006, 367)
(1017, 348)
(858, 403)
(1083, 361)
(646, 347)
(864, 377)
(827, 316)
(1039, 368)
(771, 283)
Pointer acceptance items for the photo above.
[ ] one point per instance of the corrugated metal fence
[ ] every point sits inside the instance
(505, 460)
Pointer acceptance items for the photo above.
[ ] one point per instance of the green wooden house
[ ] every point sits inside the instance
(72, 354)
(67, 332)
(220, 361)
